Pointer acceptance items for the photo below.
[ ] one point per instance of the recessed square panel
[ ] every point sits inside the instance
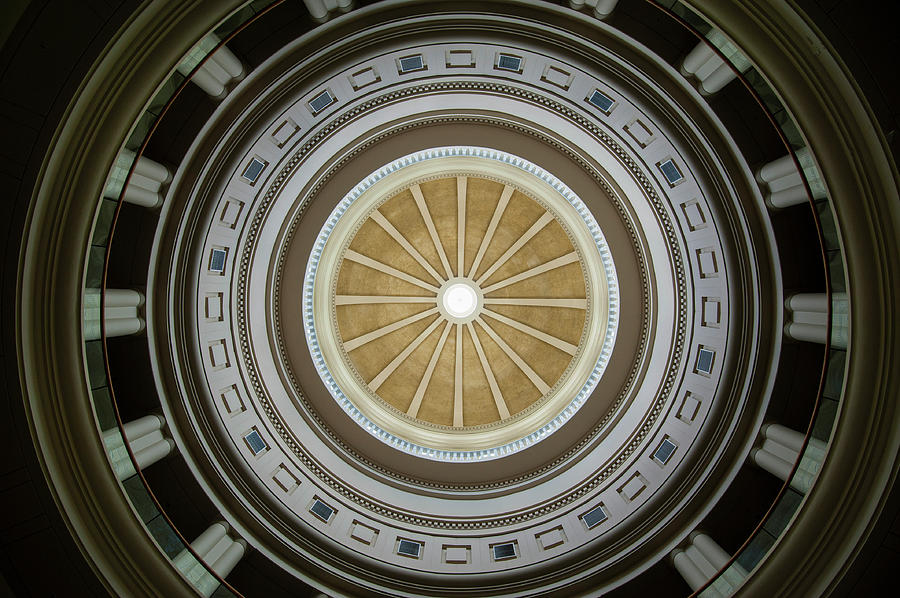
(557, 76)
(508, 62)
(601, 101)
(284, 132)
(551, 538)
(321, 101)
(363, 533)
(595, 517)
(633, 487)
(409, 548)
(671, 171)
(690, 407)
(321, 510)
(664, 451)
(255, 442)
(708, 262)
(218, 355)
(213, 307)
(694, 215)
(505, 551)
(460, 59)
(409, 64)
(217, 258)
(640, 132)
(253, 170)
(711, 312)
(363, 78)
(705, 361)
(231, 212)
(285, 479)
(231, 398)
(458, 555)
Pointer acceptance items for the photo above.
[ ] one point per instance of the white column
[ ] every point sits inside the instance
(121, 314)
(807, 318)
(147, 442)
(701, 560)
(781, 449)
(711, 72)
(218, 71)
(219, 551)
(782, 181)
(146, 186)
(317, 10)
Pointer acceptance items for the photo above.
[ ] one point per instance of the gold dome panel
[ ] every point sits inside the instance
(499, 247)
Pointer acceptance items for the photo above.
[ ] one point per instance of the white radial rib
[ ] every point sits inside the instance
(461, 183)
(370, 299)
(492, 227)
(535, 229)
(545, 267)
(361, 340)
(429, 224)
(458, 381)
(378, 380)
(413, 410)
(389, 228)
(542, 336)
(520, 363)
(390, 271)
(489, 373)
(538, 302)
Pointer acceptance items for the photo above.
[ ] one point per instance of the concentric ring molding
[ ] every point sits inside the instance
(602, 305)
(401, 514)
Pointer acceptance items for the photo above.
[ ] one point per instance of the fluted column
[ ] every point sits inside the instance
(218, 550)
(218, 72)
(319, 9)
(602, 8)
(707, 66)
(147, 183)
(122, 313)
(779, 451)
(807, 318)
(701, 559)
(145, 436)
(782, 181)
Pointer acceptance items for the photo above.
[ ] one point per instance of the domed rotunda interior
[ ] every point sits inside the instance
(408, 298)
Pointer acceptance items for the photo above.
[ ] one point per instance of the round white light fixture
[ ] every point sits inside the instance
(460, 300)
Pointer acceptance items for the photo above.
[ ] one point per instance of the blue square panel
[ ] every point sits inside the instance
(409, 548)
(670, 171)
(705, 360)
(664, 452)
(509, 63)
(321, 101)
(255, 442)
(217, 260)
(601, 101)
(253, 170)
(595, 517)
(411, 63)
(321, 510)
(504, 551)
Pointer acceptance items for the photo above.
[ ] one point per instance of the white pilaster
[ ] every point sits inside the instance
(602, 8)
(701, 560)
(711, 72)
(219, 551)
(122, 313)
(147, 183)
(782, 181)
(807, 318)
(781, 449)
(219, 70)
(147, 442)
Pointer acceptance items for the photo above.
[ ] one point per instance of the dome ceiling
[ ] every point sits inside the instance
(478, 350)
(421, 326)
